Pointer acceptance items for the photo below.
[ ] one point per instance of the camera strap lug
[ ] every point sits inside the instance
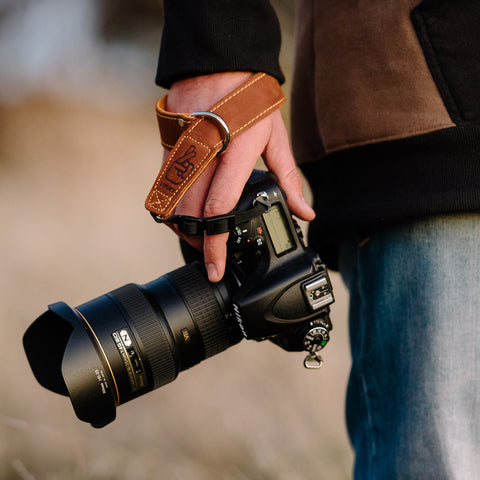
(315, 340)
(313, 361)
(215, 225)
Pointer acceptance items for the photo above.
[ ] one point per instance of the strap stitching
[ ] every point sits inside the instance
(168, 198)
(170, 201)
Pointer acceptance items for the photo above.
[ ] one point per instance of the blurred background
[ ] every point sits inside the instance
(79, 150)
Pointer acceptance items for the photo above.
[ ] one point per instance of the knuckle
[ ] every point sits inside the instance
(293, 174)
(292, 177)
(214, 206)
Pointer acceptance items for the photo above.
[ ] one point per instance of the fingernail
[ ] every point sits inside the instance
(212, 272)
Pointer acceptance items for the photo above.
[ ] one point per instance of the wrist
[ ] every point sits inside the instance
(200, 93)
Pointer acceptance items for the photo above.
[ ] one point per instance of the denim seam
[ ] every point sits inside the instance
(362, 313)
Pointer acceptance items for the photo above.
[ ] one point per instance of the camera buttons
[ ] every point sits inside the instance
(259, 241)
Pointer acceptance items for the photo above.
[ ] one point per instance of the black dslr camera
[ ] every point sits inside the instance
(139, 337)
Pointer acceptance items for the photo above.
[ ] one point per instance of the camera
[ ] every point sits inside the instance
(137, 338)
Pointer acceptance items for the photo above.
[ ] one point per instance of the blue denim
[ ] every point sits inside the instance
(413, 399)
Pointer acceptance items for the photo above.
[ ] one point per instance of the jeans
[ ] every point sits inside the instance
(413, 399)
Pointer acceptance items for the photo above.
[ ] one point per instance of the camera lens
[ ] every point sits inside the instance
(130, 341)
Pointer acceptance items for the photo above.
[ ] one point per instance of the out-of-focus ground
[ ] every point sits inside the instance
(79, 150)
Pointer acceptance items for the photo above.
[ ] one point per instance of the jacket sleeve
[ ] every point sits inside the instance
(211, 36)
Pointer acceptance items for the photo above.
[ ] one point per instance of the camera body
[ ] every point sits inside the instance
(137, 338)
(283, 289)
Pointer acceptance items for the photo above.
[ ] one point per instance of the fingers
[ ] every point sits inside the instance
(231, 174)
(269, 138)
(279, 159)
(215, 253)
(233, 170)
(219, 188)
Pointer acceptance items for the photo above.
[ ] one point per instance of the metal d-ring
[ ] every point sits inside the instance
(223, 127)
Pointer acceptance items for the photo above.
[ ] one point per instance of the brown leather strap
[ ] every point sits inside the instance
(194, 141)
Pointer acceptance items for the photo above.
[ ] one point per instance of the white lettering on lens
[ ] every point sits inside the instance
(126, 338)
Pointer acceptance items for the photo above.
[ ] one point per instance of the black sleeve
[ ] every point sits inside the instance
(211, 36)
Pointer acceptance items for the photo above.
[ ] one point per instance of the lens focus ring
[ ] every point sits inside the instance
(201, 298)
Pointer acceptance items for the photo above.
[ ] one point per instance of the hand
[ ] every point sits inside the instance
(218, 189)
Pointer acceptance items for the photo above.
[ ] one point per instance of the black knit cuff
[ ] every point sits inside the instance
(390, 182)
(202, 37)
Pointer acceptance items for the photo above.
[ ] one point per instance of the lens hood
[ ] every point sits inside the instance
(65, 358)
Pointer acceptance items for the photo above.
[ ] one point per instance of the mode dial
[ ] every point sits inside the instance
(314, 340)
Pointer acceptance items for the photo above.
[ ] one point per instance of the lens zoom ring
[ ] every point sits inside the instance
(200, 297)
(151, 333)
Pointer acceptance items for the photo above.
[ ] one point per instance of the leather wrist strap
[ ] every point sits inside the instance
(195, 139)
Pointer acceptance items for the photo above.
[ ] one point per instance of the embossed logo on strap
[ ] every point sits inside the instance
(182, 167)
(197, 142)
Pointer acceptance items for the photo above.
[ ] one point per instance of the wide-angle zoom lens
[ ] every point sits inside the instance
(132, 340)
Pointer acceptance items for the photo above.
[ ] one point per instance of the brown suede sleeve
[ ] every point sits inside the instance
(370, 79)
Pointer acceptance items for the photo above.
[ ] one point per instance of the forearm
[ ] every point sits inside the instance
(202, 37)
